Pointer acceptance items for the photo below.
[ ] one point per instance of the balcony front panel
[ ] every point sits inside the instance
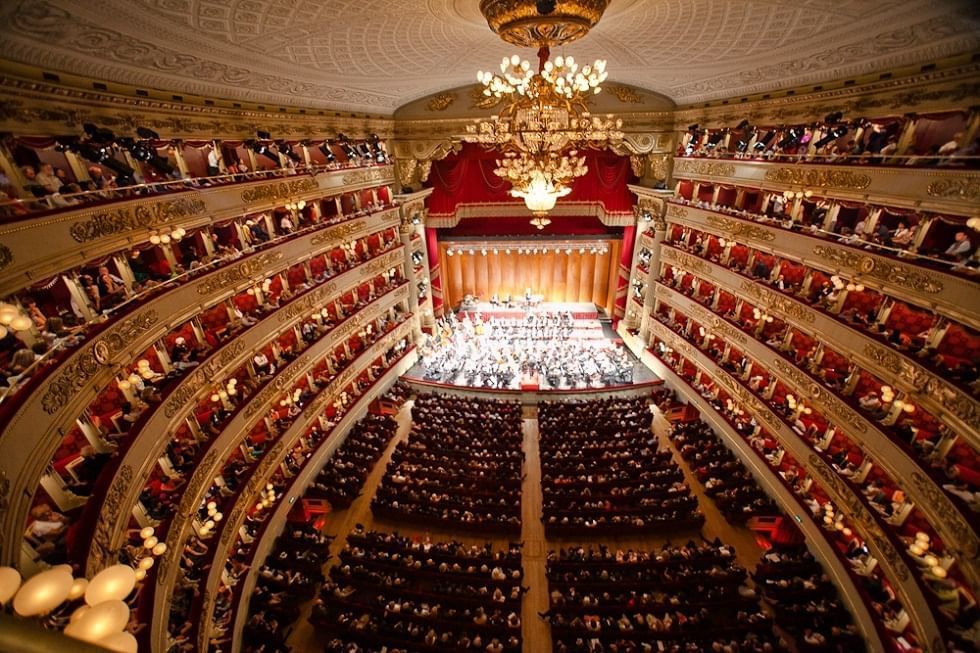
(275, 524)
(941, 190)
(140, 459)
(904, 579)
(37, 248)
(32, 432)
(951, 295)
(313, 465)
(181, 525)
(774, 487)
(942, 399)
(943, 515)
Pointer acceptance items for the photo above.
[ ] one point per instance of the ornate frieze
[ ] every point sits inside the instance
(779, 303)
(861, 515)
(127, 218)
(802, 176)
(204, 375)
(338, 233)
(964, 537)
(250, 493)
(83, 366)
(239, 273)
(100, 555)
(368, 175)
(926, 384)
(686, 261)
(735, 230)
(307, 304)
(705, 168)
(383, 263)
(818, 394)
(276, 386)
(185, 512)
(894, 273)
(280, 190)
(963, 188)
(676, 210)
(6, 256)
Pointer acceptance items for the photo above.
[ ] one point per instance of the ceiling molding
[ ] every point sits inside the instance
(378, 55)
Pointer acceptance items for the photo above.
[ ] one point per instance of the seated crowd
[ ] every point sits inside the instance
(342, 478)
(867, 573)
(939, 140)
(725, 478)
(284, 584)
(688, 598)
(805, 602)
(48, 181)
(912, 238)
(392, 593)
(601, 471)
(461, 466)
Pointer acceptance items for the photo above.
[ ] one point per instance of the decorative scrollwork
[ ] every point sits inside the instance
(842, 179)
(142, 216)
(366, 176)
(926, 384)
(238, 273)
(441, 102)
(280, 190)
(964, 538)
(276, 386)
(777, 302)
(337, 234)
(101, 553)
(83, 366)
(203, 473)
(818, 394)
(202, 376)
(964, 188)
(880, 268)
(686, 261)
(626, 95)
(736, 230)
(704, 168)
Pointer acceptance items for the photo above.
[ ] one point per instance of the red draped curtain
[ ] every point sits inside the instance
(468, 178)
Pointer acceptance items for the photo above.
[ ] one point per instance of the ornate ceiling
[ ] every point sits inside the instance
(376, 55)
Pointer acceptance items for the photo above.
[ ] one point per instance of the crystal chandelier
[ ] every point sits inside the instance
(543, 125)
(545, 121)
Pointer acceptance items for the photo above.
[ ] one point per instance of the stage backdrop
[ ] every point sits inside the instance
(558, 277)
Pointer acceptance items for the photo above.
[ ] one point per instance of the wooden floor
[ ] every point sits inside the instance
(536, 634)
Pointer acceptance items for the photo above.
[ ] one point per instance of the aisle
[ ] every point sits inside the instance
(304, 639)
(536, 633)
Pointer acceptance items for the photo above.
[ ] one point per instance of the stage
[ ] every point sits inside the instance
(539, 349)
(519, 309)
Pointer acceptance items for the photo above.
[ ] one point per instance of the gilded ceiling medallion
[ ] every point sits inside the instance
(530, 23)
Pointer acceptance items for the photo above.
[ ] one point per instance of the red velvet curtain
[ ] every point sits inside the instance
(435, 278)
(468, 178)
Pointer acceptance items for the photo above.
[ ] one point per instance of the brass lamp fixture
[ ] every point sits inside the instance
(542, 23)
